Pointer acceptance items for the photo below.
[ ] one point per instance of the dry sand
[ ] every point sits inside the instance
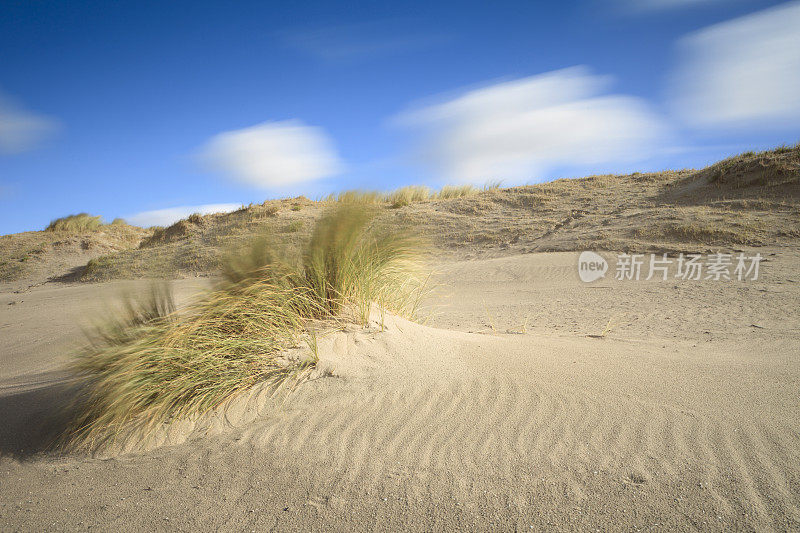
(501, 412)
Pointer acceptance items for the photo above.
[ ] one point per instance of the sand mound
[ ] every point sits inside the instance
(38, 256)
(182, 229)
(390, 345)
(774, 174)
(401, 400)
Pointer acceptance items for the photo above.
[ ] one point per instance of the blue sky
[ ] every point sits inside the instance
(125, 108)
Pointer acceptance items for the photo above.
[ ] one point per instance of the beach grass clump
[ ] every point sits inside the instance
(356, 197)
(456, 191)
(492, 185)
(155, 365)
(353, 261)
(80, 223)
(152, 363)
(407, 195)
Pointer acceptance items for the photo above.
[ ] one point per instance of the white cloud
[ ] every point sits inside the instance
(273, 154)
(744, 73)
(166, 217)
(22, 130)
(521, 129)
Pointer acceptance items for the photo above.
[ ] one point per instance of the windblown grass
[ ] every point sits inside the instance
(351, 260)
(406, 195)
(492, 185)
(79, 223)
(357, 196)
(143, 372)
(456, 191)
(154, 364)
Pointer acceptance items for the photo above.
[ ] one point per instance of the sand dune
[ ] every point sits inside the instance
(683, 417)
(746, 200)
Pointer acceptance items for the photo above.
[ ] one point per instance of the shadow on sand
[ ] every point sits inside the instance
(33, 418)
(71, 276)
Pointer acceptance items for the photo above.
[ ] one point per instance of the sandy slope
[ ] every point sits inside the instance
(684, 417)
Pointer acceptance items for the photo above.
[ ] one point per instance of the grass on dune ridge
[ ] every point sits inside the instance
(152, 363)
(81, 223)
(75, 223)
(406, 195)
(409, 194)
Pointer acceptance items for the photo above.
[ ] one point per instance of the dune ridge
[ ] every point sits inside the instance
(747, 200)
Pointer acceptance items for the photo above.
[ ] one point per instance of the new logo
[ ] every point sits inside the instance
(591, 266)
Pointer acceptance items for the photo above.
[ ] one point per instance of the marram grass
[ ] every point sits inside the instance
(407, 195)
(351, 261)
(456, 191)
(152, 363)
(356, 197)
(79, 223)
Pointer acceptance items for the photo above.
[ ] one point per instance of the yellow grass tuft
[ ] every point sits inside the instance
(152, 364)
(456, 191)
(356, 196)
(407, 195)
(82, 222)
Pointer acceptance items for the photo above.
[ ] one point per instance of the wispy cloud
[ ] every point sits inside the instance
(273, 154)
(166, 217)
(742, 73)
(20, 129)
(520, 129)
(360, 41)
